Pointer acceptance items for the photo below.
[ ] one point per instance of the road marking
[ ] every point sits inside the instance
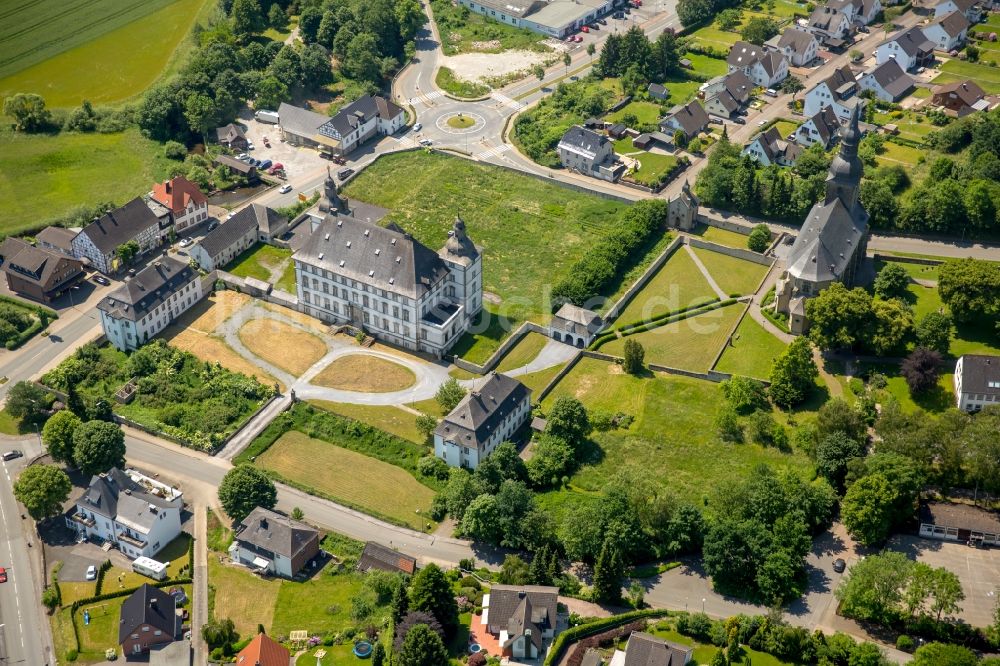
(426, 97)
(493, 152)
(507, 101)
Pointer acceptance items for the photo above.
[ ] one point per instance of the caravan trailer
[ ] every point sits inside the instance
(149, 567)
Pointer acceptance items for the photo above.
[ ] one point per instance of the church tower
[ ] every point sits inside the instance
(844, 180)
(331, 201)
(465, 263)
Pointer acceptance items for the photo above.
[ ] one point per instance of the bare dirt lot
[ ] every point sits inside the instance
(480, 66)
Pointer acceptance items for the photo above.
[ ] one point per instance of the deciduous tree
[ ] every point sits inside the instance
(449, 394)
(868, 509)
(27, 401)
(891, 281)
(934, 331)
(243, 489)
(42, 489)
(568, 420)
(759, 238)
(920, 369)
(28, 111)
(422, 647)
(98, 446)
(793, 374)
(431, 592)
(57, 435)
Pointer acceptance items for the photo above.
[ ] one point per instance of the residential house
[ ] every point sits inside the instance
(57, 239)
(227, 241)
(644, 649)
(961, 98)
(722, 104)
(888, 81)
(725, 95)
(831, 26)
(689, 119)
(764, 67)
(575, 326)
(589, 153)
(948, 32)
(382, 280)
(523, 618)
(798, 46)
(148, 618)
(860, 12)
(821, 128)
(182, 198)
(769, 147)
(839, 91)
(910, 48)
(100, 239)
(134, 512)
(274, 544)
(657, 91)
(963, 523)
(263, 651)
(379, 557)
(238, 168)
(147, 303)
(831, 245)
(682, 210)
(350, 127)
(977, 382)
(232, 136)
(36, 272)
(485, 417)
(271, 225)
(971, 9)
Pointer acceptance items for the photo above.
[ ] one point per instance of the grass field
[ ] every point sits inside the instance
(721, 236)
(690, 344)
(672, 436)
(753, 351)
(652, 168)
(362, 372)
(682, 91)
(242, 597)
(908, 126)
(44, 177)
(786, 127)
(895, 154)
(677, 284)
(282, 345)
(346, 476)
(986, 76)
(389, 418)
(733, 275)
(10, 425)
(646, 113)
(523, 352)
(267, 263)
(711, 36)
(451, 84)
(969, 338)
(105, 51)
(707, 65)
(531, 231)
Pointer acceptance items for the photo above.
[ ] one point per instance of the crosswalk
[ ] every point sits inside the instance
(426, 98)
(407, 142)
(493, 152)
(507, 101)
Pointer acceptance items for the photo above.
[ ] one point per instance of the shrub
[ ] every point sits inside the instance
(904, 643)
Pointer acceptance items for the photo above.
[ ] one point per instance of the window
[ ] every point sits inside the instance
(145, 627)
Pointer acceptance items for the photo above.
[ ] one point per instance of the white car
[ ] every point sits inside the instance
(186, 242)
(417, 127)
(250, 145)
(242, 156)
(285, 189)
(761, 122)
(425, 142)
(91, 572)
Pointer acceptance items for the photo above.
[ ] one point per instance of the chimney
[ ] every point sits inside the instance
(152, 603)
(263, 523)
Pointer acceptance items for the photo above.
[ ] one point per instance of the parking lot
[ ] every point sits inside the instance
(297, 161)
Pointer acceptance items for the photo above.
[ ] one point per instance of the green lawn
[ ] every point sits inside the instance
(349, 477)
(653, 167)
(538, 380)
(672, 437)
(986, 76)
(899, 155)
(752, 351)
(523, 352)
(682, 91)
(733, 275)
(711, 36)
(531, 232)
(721, 236)
(66, 171)
(974, 337)
(909, 127)
(786, 127)
(261, 262)
(704, 653)
(703, 64)
(677, 284)
(646, 113)
(935, 401)
(10, 425)
(105, 51)
(448, 82)
(389, 418)
(463, 31)
(689, 344)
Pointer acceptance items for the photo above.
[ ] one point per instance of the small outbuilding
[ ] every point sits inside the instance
(383, 558)
(657, 91)
(575, 325)
(959, 522)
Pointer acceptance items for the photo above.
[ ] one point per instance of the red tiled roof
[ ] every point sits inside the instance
(177, 193)
(263, 651)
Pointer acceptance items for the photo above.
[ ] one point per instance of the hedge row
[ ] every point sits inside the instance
(648, 320)
(574, 634)
(663, 321)
(124, 593)
(105, 566)
(45, 315)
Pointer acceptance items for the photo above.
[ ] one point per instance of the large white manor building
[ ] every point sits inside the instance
(381, 280)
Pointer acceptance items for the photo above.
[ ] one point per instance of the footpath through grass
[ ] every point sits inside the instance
(752, 351)
(735, 276)
(675, 285)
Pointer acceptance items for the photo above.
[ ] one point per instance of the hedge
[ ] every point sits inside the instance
(44, 314)
(640, 322)
(663, 320)
(574, 634)
(105, 565)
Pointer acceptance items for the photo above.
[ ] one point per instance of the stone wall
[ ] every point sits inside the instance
(616, 309)
(559, 375)
(726, 224)
(506, 346)
(907, 260)
(739, 253)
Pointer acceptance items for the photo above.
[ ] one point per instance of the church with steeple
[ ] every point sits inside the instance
(831, 245)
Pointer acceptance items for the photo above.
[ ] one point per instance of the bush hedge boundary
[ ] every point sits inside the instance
(658, 322)
(574, 634)
(44, 314)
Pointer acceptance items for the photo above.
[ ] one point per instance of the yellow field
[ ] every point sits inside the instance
(282, 345)
(369, 374)
(244, 598)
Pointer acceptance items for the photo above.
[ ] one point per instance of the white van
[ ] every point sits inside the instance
(267, 117)
(150, 567)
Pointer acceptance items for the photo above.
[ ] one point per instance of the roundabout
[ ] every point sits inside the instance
(461, 123)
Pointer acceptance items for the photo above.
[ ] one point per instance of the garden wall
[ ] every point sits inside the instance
(559, 375)
(738, 253)
(907, 260)
(725, 224)
(615, 309)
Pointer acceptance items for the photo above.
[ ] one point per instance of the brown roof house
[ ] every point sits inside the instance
(690, 119)
(645, 650)
(99, 240)
(263, 651)
(377, 556)
(273, 544)
(960, 98)
(148, 618)
(575, 326)
(38, 273)
(232, 136)
(522, 618)
(769, 147)
(183, 200)
(959, 522)
(59, 239)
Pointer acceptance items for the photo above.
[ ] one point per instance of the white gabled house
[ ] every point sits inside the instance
(769, 148)
(910, 48)
(971, 9)
(764, 67)
(948, 32)
(838, 91)
(831, 26)
(798, 46)
(977, 382)
(887, 81)
(820, 128)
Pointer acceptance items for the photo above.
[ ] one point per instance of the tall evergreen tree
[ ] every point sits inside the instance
(608, 574)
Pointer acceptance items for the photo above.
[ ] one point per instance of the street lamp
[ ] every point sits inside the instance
(703, 604)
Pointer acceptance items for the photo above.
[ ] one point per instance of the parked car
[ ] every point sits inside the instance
(285, 189)
(585, 29)
(578, 38)
(213, 224)
(627, 11)
(839, 565)
(91, 572)
(187, 242)
(250, 146)
(595, 26)
(266, 164)
(325, 155)
(339, 159)
(3, 575)
(425, 142)
(242, 156)
(100, 279)
(863, 28)
(570, 39)
(618, 15)
(344, 174)
(761, 123)
(739, 121)
(602, 21)
(13, 453)
(417, 127)
(771, 92)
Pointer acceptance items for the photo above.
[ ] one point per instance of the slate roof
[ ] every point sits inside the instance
(377, 556)
(37, 265)
(796, 40)
(967, 91)
(952, 23)
(962, 516)
(963, 5)
(738, 85)
(657, 90)
(459, 248)
(583, 141)
(978, 372)
(577, 315)
(507, 600)
(59, 237)
(148, 289)
(744, 54)
(691, 117)
(912, 41)
(591, 658)
(114, 494)
(826, 124)
(274, 532)
(891, 78)
(177, 193)
(646, 650)
(726, 99)
(826, 243)
(297, 120)
(383, 257)
(838, 79)
(482, 411)
(357, 113)
(824, 17)
(230, 231)
(229, 133)
(776, 147)
(263, 651)
(120, 225)
(148, 605)
(268, 219)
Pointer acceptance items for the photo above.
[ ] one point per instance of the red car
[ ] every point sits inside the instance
(577, 38)
(585, 29)
(3, 575)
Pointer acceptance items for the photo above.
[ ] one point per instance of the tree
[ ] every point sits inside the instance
(873, 588)
(568, 420)
(431, 592)
(514, 571)
(42, 489)
(271, 92)
(400, 604)
(591, 50)
(868, 509)
(867, 654)
(220, 632)
(127, 251)
(759, 29)
(837, 416)
(567, 60)
(199, 111)
(891, 281)
(934, 332)
(970, 288)
(277, 19)
(378, 654)
(27, 401)
(314, 61)
(792, 85)
(634, 355)
(539, 72)
(608, 573)
(480, 521)
(744, 394)
(243, 489)
(727, 424)
(833, 453)
(449, 394)
(920, 369)
(422, 647)
(98, 446)
(297, 514)
(28, 111)
(694, 11)
(839, 317)
(248, 18)
(793, 374)
(309, 21)
(729, 19)
(57, 435)
(944, 654)
(759, 238)
(426, 424)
